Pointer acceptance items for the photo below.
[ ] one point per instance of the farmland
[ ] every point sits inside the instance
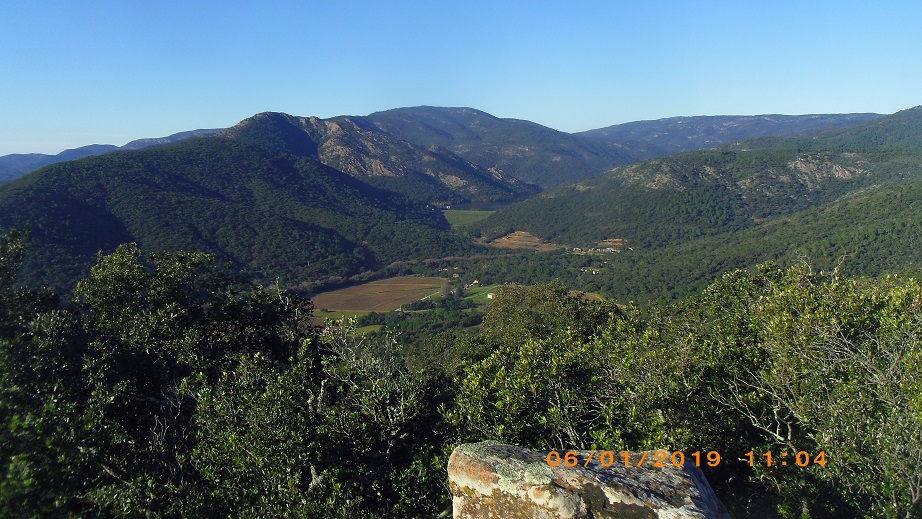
(523, 240)
(379, 296)
(463, 217)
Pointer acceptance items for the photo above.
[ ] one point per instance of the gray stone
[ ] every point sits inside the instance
(494, 480)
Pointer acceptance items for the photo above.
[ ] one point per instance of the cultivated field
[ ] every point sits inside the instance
(523, 240)
(463, 217)
(383, 295)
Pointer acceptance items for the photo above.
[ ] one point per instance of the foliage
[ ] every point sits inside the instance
(273, 217)
(171, 388)
(782, 361)
(684, 197)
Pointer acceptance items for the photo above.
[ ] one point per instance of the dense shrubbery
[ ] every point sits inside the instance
(168, 388)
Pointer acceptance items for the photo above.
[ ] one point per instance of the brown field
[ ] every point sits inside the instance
(383, 295)
(523, 240)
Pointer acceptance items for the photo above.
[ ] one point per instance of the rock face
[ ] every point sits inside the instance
(493, 480)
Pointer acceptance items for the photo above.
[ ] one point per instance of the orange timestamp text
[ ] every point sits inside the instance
(662, 458)
(655, 458)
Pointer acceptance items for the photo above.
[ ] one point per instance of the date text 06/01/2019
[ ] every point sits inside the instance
(678, 458)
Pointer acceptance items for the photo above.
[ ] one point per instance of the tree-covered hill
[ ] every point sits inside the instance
(675, 199)
(551, 158)
(870, 233)
(18, 164)
(524, 149)
(271, 214)
(678, 134)
(356, 147)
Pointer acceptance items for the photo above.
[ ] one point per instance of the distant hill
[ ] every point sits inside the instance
(671, 200)
(493, 158)
(523, 149)
(310, 200)
(273, 215)
(17, 165)
(871, 232)
(678, 134)
(358, 148)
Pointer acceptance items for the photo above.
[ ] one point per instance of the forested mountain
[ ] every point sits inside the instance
(271, 214)
(671, 200)
(166, 385)
(678, 134)
(524, 149)
(355, 146)
(311, 199)
(500, 156)
(18, 164)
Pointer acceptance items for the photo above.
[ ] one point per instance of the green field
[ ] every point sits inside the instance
(479, 293)
(464, 218)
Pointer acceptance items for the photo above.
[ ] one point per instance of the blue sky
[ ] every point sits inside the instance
(77, 72)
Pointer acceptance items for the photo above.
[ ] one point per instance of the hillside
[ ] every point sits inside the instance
(678, 134)
(360, 149)
(18, 164)
(272, 215)
(491, 159)
(525, 150)
(671, 200)
(869, 233)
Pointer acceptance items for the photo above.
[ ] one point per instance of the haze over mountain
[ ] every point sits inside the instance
(18, 164)
(510, 150)
(677, 134)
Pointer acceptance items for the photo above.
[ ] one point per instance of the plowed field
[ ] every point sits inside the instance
(379, 296)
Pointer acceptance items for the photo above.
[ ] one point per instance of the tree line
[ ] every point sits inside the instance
(167, 386)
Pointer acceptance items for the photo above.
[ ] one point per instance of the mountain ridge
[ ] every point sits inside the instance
(312, 200)
(667, 200)
(271, 215)
(17, 164)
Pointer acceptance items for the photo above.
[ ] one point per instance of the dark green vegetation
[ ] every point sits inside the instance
(17, 165)
(551, 158)
(358, 148)
(678, 134)
(523, 149)
(169, 387)
(459, 218)
(686, 196)
(166, 385)
(263, 196)
(273, 216)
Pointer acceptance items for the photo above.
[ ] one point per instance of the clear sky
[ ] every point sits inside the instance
(78, 72)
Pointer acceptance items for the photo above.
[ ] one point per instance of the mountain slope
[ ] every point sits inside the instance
(355, 146)
(678, 134)
(17, 165)
(523, 149)
(869, 233)
(670, 200)
(272, 215)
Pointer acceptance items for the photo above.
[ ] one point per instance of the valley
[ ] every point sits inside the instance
(368, 291)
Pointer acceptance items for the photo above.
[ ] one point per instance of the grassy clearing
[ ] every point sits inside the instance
(464, 218)
(379, 296)
(478, 294)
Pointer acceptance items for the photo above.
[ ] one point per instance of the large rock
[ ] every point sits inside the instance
(493, 480)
